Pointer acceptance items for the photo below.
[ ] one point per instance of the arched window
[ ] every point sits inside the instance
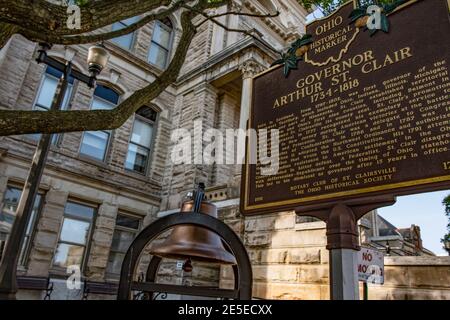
(46, 94)
(125, 41)
(161, 43)
(141, 140)
(95, 143)
(268, 4)
(47, 90)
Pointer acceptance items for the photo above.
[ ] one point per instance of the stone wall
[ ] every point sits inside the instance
(289, 259)
(414, 278)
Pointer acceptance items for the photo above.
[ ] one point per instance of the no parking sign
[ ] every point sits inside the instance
(370, 266)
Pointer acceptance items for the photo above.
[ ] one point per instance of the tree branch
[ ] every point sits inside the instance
(82, 39)
(6, 31)
(25, 122)
(44, 16)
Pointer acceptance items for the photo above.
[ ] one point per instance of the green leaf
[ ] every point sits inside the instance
(306, 41)
(279, 61)
(286, 70)
(357, 17)
(357, 12)
(384, 23)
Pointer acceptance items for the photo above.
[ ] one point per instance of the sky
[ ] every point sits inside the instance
(425, 210)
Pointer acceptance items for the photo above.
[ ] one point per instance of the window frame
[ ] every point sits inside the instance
(27, 246)
(87, 246)
(152, 143)
(122, 228)
(133, 35)
(73, 87)
(169, 50)
(110, 132)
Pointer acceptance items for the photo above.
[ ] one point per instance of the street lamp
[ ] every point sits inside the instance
(97, 60)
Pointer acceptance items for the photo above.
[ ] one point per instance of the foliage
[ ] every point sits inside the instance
(387, 7)
(328, 6)
(290, 58)
(446, 203)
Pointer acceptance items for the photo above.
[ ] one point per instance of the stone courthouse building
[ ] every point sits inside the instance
(100, 188)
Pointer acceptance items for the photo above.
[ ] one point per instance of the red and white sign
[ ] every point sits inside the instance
(370, 266)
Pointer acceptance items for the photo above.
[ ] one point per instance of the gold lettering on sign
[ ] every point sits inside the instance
(312, 85)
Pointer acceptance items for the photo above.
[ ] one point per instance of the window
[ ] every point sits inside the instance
(161, 43)
(127, 227)
(8, 214)
(125, 41)
(305, 219)
(141, 139)
(47, 92)
(74, 235)
(95, 143)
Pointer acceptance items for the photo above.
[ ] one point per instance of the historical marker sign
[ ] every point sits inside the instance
(362, 115)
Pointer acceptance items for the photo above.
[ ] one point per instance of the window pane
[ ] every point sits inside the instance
(99, 104)
(79, 210)
(115, 262)
(142, 133)
(75, 231)
(67, 255)
(158, 56)
(124, 41)
(161, 36)
(67, 96)
(47, 92)
(147, 113)
(8, 214)
(122, 240)
(128, 222)
(137, 158)
(11, 199)
(36, 206)
(57, 74)
(94, 144)
(106, 94)
(23, 251)
(130, 21)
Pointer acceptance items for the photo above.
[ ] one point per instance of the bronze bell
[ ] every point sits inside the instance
(191, 242)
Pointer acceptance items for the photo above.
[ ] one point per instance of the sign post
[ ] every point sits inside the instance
(361, 106)
(370, 268)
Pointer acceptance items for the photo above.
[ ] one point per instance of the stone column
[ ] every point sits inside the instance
(101, 242)
(204, 110)
(46, 234)
(227, 118)
(249, 69)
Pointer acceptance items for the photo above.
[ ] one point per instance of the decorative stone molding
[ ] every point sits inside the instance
(284, 32)
(69, 53)
(251, 68)
(115, 75)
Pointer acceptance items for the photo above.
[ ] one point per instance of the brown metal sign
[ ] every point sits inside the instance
(366, 113)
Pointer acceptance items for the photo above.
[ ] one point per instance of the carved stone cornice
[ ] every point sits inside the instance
(250, 69)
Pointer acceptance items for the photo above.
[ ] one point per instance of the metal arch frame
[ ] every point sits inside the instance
(242, 271)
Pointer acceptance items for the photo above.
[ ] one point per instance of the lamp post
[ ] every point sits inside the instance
(97, 60)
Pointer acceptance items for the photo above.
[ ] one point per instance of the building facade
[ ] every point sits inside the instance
(101, 188)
